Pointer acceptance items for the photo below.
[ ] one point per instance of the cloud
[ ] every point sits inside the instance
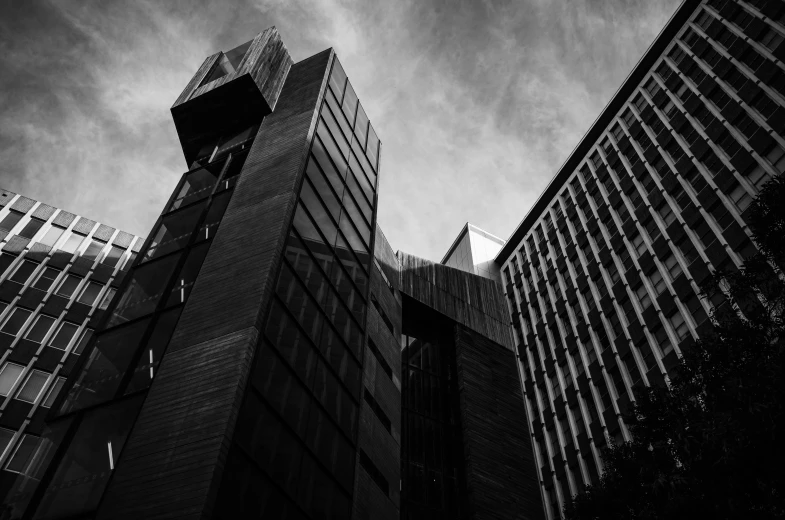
(476, 103)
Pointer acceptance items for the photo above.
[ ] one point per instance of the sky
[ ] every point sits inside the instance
(477, 103)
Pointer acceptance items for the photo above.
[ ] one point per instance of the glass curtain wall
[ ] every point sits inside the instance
(432, 468)
(101, 400)
(297, 433)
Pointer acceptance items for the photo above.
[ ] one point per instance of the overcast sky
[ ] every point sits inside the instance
(477, 103)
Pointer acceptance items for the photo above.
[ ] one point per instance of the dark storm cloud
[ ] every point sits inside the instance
(477, 103)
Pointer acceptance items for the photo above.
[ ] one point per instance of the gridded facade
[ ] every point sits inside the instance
(58, 274)
(602, 277)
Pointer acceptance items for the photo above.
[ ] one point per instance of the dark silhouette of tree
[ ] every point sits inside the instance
(711, 445)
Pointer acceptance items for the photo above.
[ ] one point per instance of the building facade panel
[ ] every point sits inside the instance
(603, 277)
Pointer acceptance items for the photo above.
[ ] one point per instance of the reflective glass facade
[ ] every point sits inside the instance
(58, 274)
(603, 276)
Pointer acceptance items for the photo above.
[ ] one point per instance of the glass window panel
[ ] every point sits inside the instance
(188, 274)
(197, 185)
(361, 127)
(350, 103)
(16, 320)
(101, 375)
(9, 375)
(335, 400)
(68, 285)
(107, 299)
(64, 335)
(306, 228)
(327, 167)
(366, 166)
(23, 452)
(337, 79)
(145, 289)
(47, 278)
(31, 228)
(282, 390)
(90, 292)
(89, 461)
(174, 232)
(331, 447)
(360, 198)
(299, 303)
(328, 150)
(214, 215)
(35, 382)
(92, 251)
(318, 213)
(5, 261)
(235, 141)
(290, 342)
(341, 280)
(72, 243)
(322, 188)
(356, 264)
(147, 368)
(362, 180)
(11, 220)
(358, 219)
(334, 349)
(24, 271)
(83, 340)
(53, 392)
(351, 234)
(40, 329)
(51, 236)
(337, 134)
(113, 256)
(373, 147)
(335, 107)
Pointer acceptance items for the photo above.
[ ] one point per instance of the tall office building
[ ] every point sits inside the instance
(603, 275)
(58, 273)
(249, 365)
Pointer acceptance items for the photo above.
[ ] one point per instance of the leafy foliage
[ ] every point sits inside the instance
(711, 445)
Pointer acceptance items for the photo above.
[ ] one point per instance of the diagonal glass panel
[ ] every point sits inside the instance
(173, 232)
(145, 289)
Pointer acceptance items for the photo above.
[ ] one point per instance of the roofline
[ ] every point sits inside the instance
(463, 231)
(627, 88)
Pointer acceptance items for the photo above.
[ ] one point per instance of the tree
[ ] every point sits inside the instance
(711, 444)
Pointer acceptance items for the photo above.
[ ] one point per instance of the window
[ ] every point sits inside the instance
(6, 436)
(31, 228)
(53, 391)
(676, 54)
(628, 117)
(47, 278)
(51, 236)
(740, 197)
(687, 249)
(666, 213)
(638, 244)
(758, 176)
(8, 377)
(771, 39)
(90, 293)
(704, 232)
(643, 297)
(555, 386)
(16, 320)
(679, 326)
(661, 337)
(11, 220)
(63, 336)
(92, 251)
(41, 327)
(776, 157)
(24, 271)
(107, 298)
(652, 229)
(113, 256)
(68, 285)
(672, 266)
(652, 87)
(72, 243)
(23, 453)
(640, 102)
(657, 281)
(32, 387)
(83, 340)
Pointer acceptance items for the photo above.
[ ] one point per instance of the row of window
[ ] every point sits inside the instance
(33, 384)
(670, 264)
